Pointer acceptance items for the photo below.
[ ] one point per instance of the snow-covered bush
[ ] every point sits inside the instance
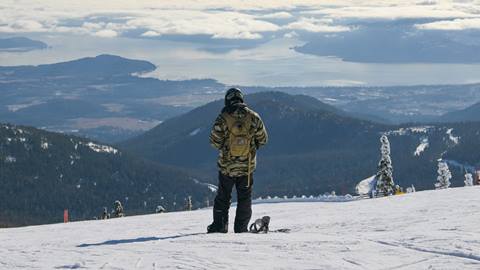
(444, 176)
(384, 175)
(160, 209)
(468, 180)
(411, 189)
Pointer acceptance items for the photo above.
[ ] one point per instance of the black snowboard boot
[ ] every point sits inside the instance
(216, 228)
(220, 223)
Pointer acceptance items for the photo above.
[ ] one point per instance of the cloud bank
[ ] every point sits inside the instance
(234, 19)
(451, 25)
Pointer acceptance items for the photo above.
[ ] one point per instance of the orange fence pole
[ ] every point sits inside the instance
(65, 216)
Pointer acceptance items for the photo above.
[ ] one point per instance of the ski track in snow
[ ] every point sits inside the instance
(423, 230)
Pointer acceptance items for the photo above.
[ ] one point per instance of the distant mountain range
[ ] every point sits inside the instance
(393, 104)
(42, 173)
(20, 44)
(314, 148)
(471, 113)
(100, 97)
(110, 98)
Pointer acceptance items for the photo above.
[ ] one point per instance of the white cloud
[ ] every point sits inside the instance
(451, 25)
(151, 34)
(291, 34)
(427, 3)
(316, 25)
(93, 26)
(276, 15)
(228, 25)
(400, 10)
(236, 19)
(156, 18)
(23, 26)
(29, 25)
(107, 33)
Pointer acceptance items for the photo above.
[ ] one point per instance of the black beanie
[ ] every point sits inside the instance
(233, 96)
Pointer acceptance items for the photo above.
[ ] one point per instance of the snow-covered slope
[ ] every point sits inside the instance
(424, 230)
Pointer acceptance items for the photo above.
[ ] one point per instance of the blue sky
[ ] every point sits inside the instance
(261, 42)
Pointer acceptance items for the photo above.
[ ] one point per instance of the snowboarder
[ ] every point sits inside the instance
(188, 203)
(117, 209)
(237, 133)
(105, 214)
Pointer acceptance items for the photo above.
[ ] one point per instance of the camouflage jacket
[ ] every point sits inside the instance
(237, 166)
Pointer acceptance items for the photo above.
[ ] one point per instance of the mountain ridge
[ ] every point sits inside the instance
(43, 173)
(469, 114)
(313, 150)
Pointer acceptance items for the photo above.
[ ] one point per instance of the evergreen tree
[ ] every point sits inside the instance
(384, 175)
(468, 180)
(444, 176)
(118, 209)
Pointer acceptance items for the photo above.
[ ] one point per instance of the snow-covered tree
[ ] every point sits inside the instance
(468, 180)
(384, 175)
(444, 176)
(117, 209)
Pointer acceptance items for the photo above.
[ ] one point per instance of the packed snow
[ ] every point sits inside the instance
(423, 230)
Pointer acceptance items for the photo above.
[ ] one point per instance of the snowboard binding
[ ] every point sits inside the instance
(260, 225)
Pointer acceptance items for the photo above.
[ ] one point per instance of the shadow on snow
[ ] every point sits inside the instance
(137, 240)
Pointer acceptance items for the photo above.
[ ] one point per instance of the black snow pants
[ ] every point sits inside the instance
(223, 200)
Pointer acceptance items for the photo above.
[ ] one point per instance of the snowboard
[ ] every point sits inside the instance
(261, 225)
